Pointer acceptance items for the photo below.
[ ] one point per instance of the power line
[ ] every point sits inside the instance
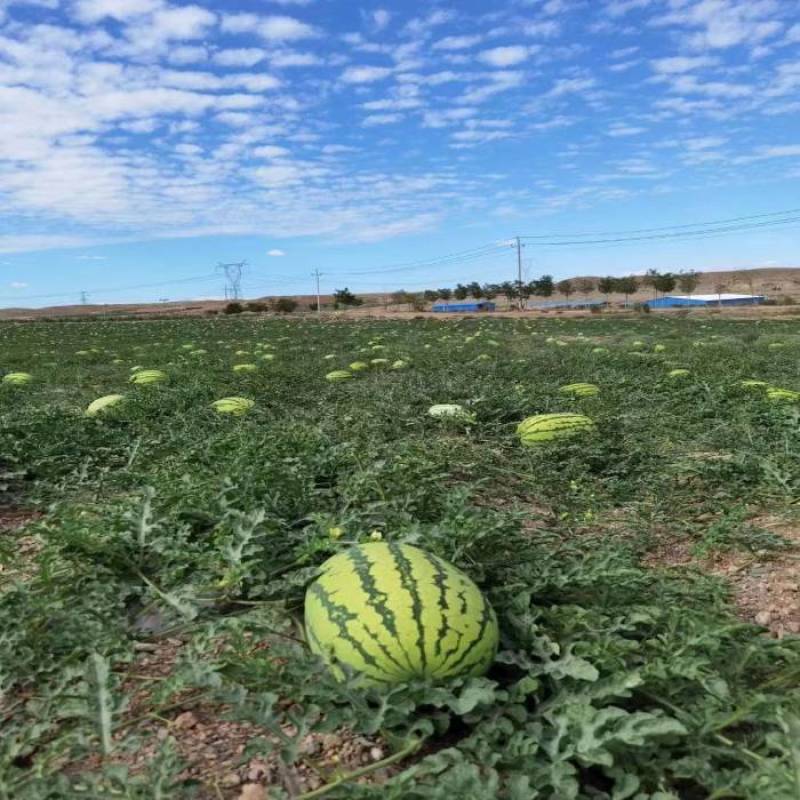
(677, 235)
(712, 223)
(110, 290)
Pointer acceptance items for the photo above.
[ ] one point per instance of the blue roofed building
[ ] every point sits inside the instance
(700, 300)
(465, 307)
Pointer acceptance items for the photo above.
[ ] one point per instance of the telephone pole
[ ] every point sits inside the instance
(518, 245)
(84, 297)
(317, 274)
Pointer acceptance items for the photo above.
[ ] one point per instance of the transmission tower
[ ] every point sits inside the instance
(84, 297)
(233, 278)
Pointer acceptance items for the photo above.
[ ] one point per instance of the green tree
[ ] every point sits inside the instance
(233, 308)
(586, 286)
(544, 286)
(627, 286)
(430, 295)
(687, 281)
(509, 289)
(285, 305)
(566, 288)
(607, 286)
(664, 282)
(344, 297)
(490, 290)
(444, 294)
(460, 292)
(475, 290)
(402, 298)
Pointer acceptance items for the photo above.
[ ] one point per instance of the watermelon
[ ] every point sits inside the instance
(580, 389)
(678, 373)
(358, 366)
(237, 406)
(17, 378)
(394, 613)
(777, 395)
(145, 376)
(451, 411)
(754, 385)
(103, 404)
(338, 375)
(244, 367)
(549, 427)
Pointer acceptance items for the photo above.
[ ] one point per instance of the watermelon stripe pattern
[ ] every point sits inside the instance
(549, 427)
(580, 389)
(395, 613)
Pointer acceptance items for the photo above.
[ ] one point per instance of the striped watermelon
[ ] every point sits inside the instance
(395, 613)
(777, 395)
(147, 376)
(548, 427)
(17, 378)
(237, 406)
(103, 404)
(580, 389)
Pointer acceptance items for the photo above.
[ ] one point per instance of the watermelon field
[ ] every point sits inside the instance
(582, 607)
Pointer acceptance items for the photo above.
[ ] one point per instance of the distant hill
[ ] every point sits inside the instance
(775, 282)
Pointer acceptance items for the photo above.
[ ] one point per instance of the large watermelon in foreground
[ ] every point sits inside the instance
(549, 427)
(394, 613)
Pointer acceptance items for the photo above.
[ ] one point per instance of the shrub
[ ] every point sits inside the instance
(233, 308)
(284, 305)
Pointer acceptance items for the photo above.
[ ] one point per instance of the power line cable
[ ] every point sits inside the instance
(790, 211)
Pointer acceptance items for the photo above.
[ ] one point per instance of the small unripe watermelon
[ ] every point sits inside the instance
(394, 613)
(146, 376)
(339, 375)
(103, 404)
(238, 406)
(244, 367)
(549, 427)
(777, 395)
(17, 378)
(451, 411)
(580, 389)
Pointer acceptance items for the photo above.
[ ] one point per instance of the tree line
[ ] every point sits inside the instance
(546, 286)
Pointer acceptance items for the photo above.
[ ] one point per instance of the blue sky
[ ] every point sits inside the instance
(143, 141)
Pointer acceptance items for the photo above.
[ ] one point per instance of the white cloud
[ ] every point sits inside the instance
(720, 24)
(270, 151)
(275, 253)
(381, 18)
(381, 119)
(276, 28)
(18, 285)
(96, 10)
(457, 42)
(505, 56)
(678, 64)
(239, 57)
(365, 74)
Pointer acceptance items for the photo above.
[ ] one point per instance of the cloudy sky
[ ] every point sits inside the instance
(143, 141)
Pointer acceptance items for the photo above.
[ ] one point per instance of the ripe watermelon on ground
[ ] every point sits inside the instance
(394, 613)
(549, 427)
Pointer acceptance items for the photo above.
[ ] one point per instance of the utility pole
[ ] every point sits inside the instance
(233, 278)
(84, 297)
(317, 274)
(518, 244)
